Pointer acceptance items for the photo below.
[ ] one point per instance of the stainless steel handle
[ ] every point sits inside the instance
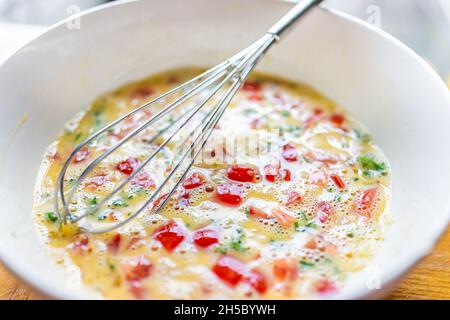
(292, 16)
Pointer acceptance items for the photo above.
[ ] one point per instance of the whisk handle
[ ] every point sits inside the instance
(292, 16)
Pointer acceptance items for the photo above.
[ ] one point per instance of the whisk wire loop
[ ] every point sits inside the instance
(231, 72)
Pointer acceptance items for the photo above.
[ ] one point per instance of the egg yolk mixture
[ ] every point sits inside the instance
(291, 216)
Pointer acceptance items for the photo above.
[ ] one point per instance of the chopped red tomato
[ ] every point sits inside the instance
(170, 235)
(338, 181)
(325, 287)
(258, 213)
(143, 92)
(114, 244)
(137, 268)
(128, 166)
(184, 199)
(230, 194)
(251, 86)
(325, 159)
(272, 170)
(289, 152)
(255, 97)
(229, 270)
(95, 182)
(136, 289)
(285, 269)
(315, 117)
(195, 180)
(143, 180)
(318, 112)
(337, 119)
(206, 237)
(81, 243)
(293, 198)
(81, 155)
(256, 123)
(159, 200)
(286, 174)
(242, 173)
(134, 243)
(257, 280)
(284, 218)
(323, 211)
(311, 244)
(364, 202)
(319, 178)
(331, 249)
(232, 271)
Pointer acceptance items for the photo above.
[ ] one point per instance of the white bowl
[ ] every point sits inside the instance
(399, 98)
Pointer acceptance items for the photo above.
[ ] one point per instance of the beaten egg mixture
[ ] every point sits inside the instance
(293, 220)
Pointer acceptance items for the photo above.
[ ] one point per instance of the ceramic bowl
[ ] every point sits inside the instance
(378, 79)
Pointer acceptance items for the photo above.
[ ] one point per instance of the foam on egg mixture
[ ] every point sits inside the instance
(289, 215)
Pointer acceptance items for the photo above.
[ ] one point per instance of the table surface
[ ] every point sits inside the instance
(430, 279)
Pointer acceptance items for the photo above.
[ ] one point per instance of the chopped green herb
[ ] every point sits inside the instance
(371, 166)
(237, 243)
(304, 216)
(368, 162)
(51, 216)
(248, 112)
(78, 136)
(285, 113)
(101, 217)
(311, 225)
(291, 128)
(306, 264)
(356, 179)
(307, 223)
(363, 137)
(220, 249)
(98, 118)
(93, 201)
(350, 235)
(119, 203)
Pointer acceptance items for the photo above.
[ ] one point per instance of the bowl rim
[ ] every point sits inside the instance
(390, 277)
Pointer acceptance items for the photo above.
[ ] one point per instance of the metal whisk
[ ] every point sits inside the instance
(229, 74)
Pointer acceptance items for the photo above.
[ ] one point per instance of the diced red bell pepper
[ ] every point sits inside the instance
(338, 181)
(143, 179)
(81, 155)
(114, 244)
(284, 218)
(289, 152)
(169, 235)
(319, 178)
(128, 166)
(257, 280)
(137, 268)
(229, 270)
(364, 202)
(206, 237)
(285, 269)
(293, 198)
(323, 211)
(242, 173)
(230, 194)
(195, 180)
(337, 119)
